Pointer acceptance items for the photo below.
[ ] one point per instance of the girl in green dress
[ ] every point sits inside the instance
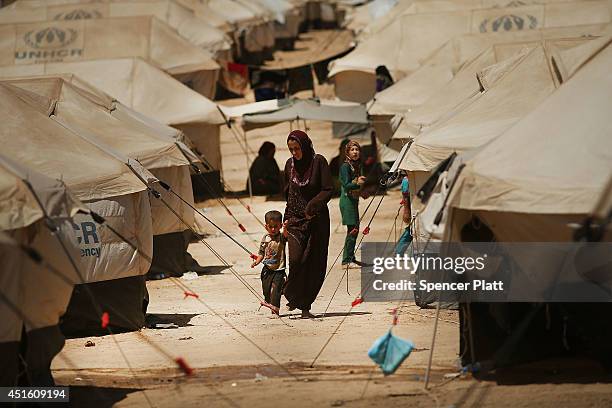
(351, 181)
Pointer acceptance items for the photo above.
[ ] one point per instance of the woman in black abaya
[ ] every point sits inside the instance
(309, 189)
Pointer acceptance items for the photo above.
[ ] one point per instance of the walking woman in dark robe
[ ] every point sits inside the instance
(308, 190)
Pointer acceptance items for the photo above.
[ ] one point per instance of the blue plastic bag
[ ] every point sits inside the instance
(389, 352)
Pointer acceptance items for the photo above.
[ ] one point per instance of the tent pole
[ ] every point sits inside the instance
(248, 164)
(433, 342)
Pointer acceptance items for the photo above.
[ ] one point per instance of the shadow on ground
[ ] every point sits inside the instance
(553, 371)
(326, 315)
(97, 397)
(176, 319)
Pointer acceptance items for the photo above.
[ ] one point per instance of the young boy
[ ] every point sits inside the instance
(272, 254)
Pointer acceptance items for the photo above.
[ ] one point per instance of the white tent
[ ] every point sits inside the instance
(415, 36)
(451, 59)
(510, 90)
(250, 26)
(551, 167)
(77, 40)
(147, 90)
(183, 20)
(169, 160)
(103, 182)
(287, 18)
(32, 297)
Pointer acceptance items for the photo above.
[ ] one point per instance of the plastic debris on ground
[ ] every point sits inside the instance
(259, 377)
(189, 276)
(389, 352)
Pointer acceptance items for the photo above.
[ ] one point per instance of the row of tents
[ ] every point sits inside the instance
(500, 113)
(81, 189)
(198, 42)
(108, 132)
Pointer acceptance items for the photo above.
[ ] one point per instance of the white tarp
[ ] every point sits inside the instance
(307, 109)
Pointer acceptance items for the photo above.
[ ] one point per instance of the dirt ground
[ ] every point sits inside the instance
(243, 358)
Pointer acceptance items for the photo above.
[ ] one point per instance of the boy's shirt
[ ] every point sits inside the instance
(272, 248)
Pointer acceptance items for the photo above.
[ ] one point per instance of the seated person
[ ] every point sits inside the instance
(264, 172)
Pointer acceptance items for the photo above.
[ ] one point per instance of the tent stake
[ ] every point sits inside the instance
(433, 342)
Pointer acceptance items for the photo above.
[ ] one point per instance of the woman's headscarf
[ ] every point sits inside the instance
(301, 170)
(266, 148)
(353, 163)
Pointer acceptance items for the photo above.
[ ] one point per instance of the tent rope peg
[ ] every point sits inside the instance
(358, 300)
(242, 228)
(366, 230)
(393, 313)
(188, 293)
(248, 207)
(185, 368)
(354, 232)
(253, 256)
(104, 320)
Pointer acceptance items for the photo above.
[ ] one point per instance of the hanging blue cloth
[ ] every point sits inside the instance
(389, 352)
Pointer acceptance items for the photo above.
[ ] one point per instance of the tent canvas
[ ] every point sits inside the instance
(71, 107)
(546, 142)
(106, 184)
(440, 6)
(517, 88)
(422, 34)
(307, 109)
(238, 17)
(38, 295)
(108, 187)
(428, 81)
(183, 20)
(148, 90)
(463, 88)
(77, 40)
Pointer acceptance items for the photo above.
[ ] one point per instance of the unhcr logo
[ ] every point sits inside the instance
(78, 14)
(508, 22)
(49, 44)
(87, 237)
(50, 38)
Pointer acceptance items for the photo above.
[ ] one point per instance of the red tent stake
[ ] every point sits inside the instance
(105, 320)
(187, 294)
(357, 301)
(185, 368)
